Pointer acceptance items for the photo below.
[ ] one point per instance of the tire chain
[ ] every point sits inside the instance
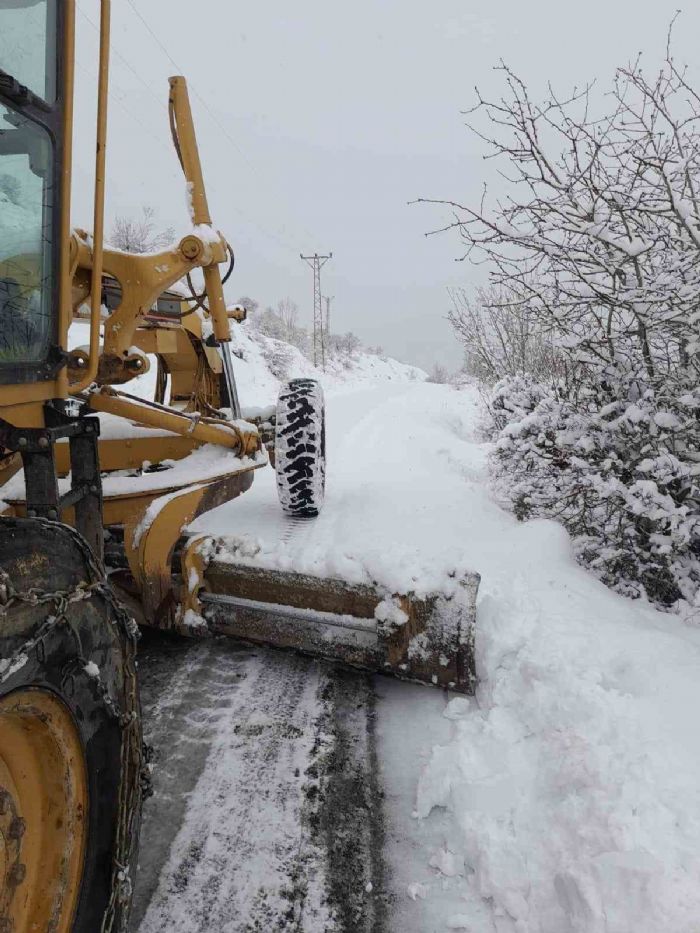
(135, 784)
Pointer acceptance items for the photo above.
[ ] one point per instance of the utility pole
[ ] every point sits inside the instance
(329, 298)
(316, 263)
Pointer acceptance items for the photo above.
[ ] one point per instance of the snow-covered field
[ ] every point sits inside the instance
(564, 798)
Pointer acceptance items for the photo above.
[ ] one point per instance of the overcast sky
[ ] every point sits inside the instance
(325, 119)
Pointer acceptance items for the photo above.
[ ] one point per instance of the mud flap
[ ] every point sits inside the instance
(429, 639)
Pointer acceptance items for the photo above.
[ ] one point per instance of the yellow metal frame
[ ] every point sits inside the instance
(130, 334)
(23, 405)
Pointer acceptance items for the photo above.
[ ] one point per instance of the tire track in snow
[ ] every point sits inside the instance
(293, 527)
(348, 818)
(174, 676)
(281, 830)
(231, 862)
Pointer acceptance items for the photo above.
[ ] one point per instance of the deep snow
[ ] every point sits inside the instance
(564, 798)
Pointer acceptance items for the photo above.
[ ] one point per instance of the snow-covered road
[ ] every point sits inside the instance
(396, 478)
(563, 799)
(267, 814)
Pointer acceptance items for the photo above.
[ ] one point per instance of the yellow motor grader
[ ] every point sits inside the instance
(99, 485)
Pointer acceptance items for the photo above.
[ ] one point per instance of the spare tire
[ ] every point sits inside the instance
(300, 447)
(71, 755)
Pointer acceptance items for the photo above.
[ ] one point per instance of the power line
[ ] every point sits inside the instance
(196, 93)
(124, 61)
(251, 165)
(250, 220)
(130, 113)
(316, 263)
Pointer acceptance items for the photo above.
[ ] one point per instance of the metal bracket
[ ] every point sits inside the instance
(37, 448)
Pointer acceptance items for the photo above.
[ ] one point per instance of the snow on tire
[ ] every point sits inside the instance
(300, 447)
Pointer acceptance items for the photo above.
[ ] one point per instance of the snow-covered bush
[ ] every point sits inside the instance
(594, 255)
(502, 337)
(439, 375)
(282, 324)
(620, 472)
(514, 397)
(344, 347)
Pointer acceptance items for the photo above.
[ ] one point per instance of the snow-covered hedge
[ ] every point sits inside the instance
(594, 263)
(619, 468)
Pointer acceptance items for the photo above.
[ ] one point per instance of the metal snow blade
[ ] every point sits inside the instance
(428, 639)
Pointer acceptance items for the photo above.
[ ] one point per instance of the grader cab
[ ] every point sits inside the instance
(98, 486)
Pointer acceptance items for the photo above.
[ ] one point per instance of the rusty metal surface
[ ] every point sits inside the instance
(433, 645)
(150, 544)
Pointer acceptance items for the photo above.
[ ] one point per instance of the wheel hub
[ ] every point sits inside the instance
(43, 813)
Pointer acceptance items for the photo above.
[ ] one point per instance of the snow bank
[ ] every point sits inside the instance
(385, 520)
(565, 797)
(572, 777)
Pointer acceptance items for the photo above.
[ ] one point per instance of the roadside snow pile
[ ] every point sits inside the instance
(572, 777)
(385, 519)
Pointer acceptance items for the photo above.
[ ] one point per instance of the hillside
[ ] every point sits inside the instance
(263, 363)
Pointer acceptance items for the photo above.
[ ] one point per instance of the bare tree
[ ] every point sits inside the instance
(140, 234)
(288, 312)
(596, 246)
(346, 345)
(502, 338)
(599, 235)
(439, 375)
(269, 323)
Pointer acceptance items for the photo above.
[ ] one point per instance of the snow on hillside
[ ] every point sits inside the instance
(263, 363)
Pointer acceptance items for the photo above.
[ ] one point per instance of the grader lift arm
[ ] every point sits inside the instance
(99, 485)
(153, 560)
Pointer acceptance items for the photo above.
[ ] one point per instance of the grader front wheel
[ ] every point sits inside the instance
(71, 770)
(43, 811)
(300, 448)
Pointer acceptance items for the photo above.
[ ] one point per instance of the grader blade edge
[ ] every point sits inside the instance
(428, 639)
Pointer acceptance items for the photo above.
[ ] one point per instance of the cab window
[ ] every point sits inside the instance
(27, 49)
(26, 208)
